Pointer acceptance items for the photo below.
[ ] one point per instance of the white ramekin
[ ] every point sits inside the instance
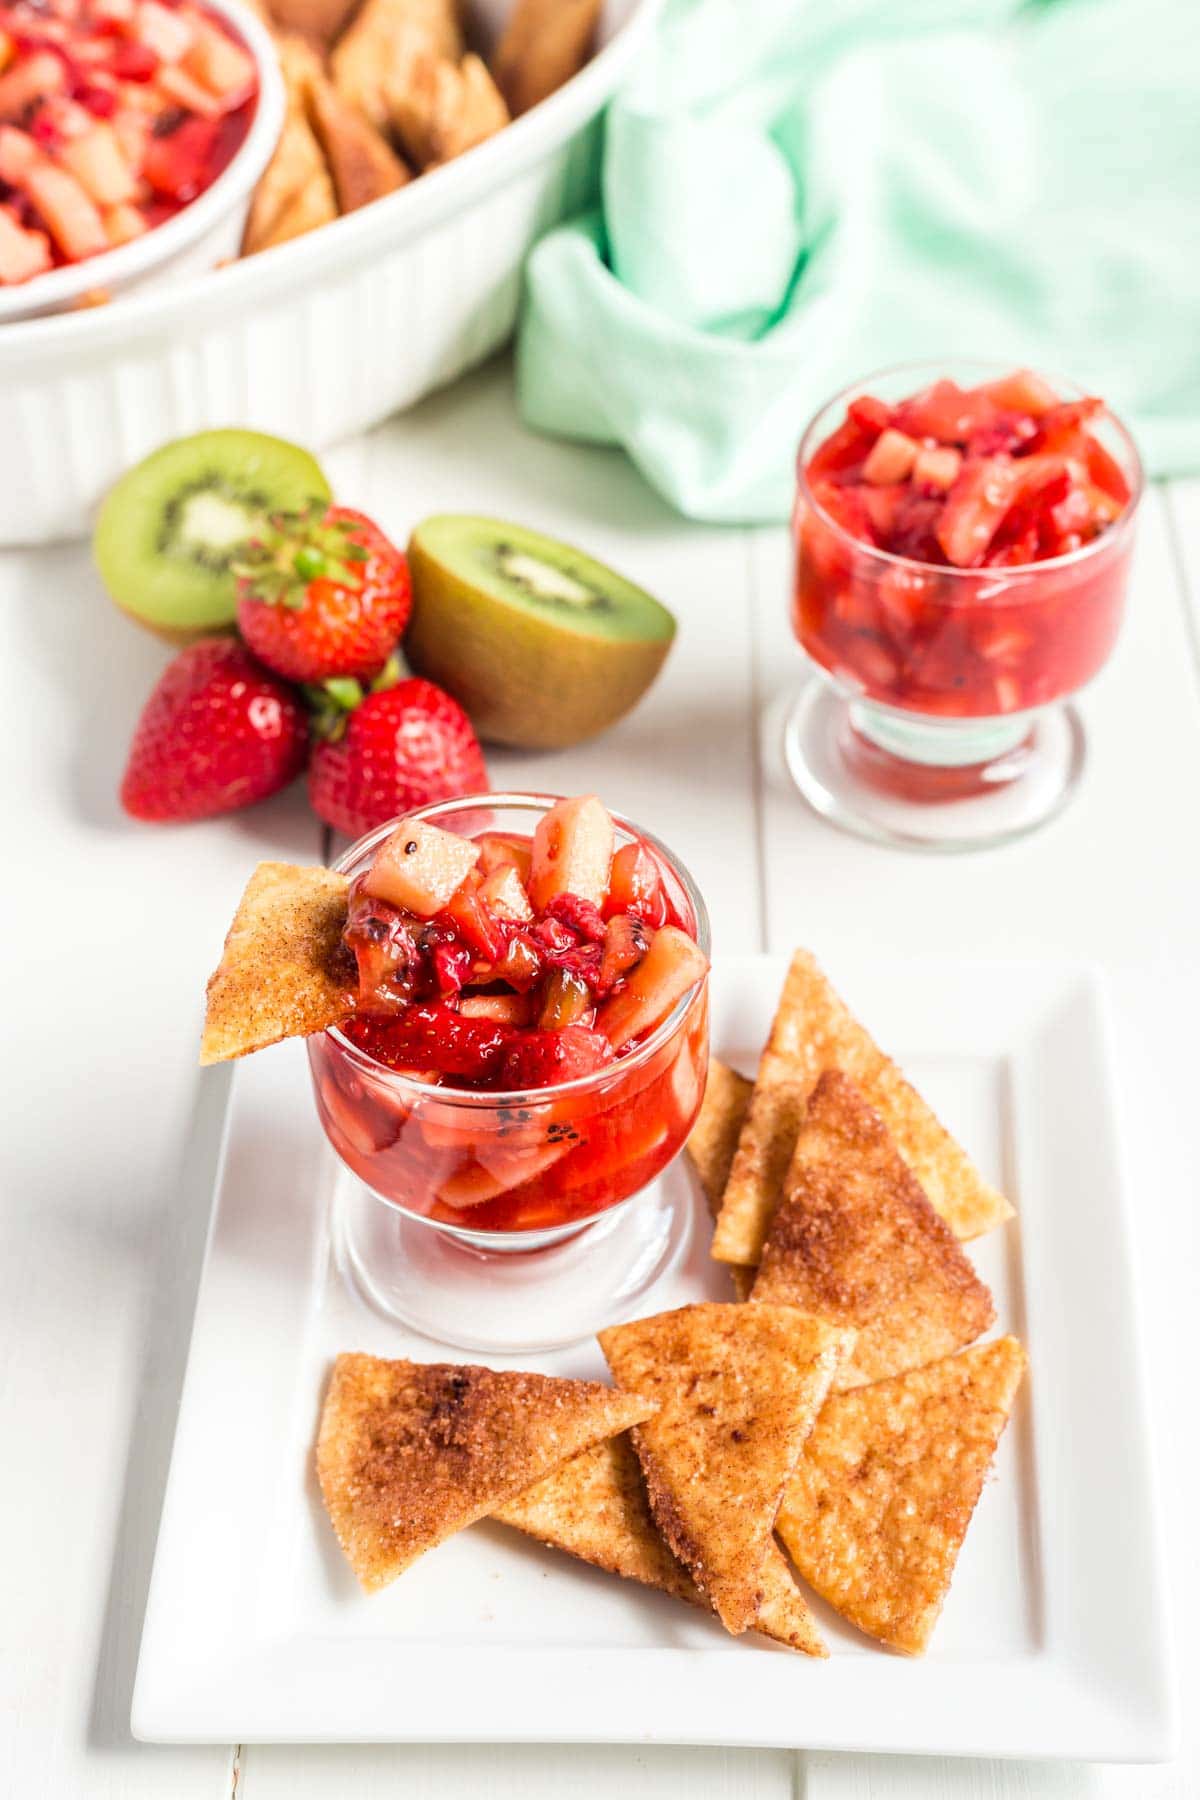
(206, 232)
(316, 339)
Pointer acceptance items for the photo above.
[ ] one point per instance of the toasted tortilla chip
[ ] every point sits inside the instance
(813, 1031)
(362, 163)
(318, 20)
(440, 109)
(295, 193)
(284, 971)
(876, 1512)
(855, 1241)
(409, 1453)
(545, 42)
(595, 1507)
(738, 1388)
(712, 1144)
(715, 1134)
(386, 40)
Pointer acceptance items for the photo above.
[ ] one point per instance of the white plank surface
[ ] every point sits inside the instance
(111, 1132)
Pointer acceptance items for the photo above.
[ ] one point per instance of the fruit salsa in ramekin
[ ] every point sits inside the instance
(113, 115)
(532, 1040)
(962, 541)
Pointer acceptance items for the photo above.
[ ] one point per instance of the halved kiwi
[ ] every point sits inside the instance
(170, 529)
(542, 645)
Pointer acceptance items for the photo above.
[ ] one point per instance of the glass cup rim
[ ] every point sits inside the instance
(498, 1099)
(1020, 575)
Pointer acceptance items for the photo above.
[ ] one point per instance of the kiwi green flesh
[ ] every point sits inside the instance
(499, 622)
(523, 568)
(170, 530)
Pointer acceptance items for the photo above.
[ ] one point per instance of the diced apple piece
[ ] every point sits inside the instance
(419, 867)
(1022, 392)
(223, 66)
(504, 1009)
(891, 458)
(169, 35)
(38, 75)
(187, 92)
(503, 893)
(937, 466)
(123, 224)
(497, 850)
(500, 1166)
(672, 965)
(71, 217)
(572, 852)
(8, 50)
(18, 153)
(23, 254)
(98, 163)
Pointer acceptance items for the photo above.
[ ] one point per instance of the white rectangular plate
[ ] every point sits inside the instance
(1053, 1641)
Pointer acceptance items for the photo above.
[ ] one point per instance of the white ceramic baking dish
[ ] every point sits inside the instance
(316, 339)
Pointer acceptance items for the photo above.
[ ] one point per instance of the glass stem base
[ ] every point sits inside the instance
(513, 1301)
(931, 784)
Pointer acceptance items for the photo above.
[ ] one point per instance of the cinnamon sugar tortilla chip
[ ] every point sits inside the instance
(876, 1512)
(855, 1241)
(295, 193)
(284, 971)
(813, 1030)
(409, 1453)
(714, 1139)
(362, 163)
(386, 41)
(738, 1388)
(440, 109)
(544, 43)
(595, 1507)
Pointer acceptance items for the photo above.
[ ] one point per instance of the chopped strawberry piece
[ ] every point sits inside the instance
(452, 964)
(870, 415)
(434, 1037)
(974, 508)
(635, 887)
(845, 449)
(466, 912)
(134, 62)
(547, 1058)
(946, 412)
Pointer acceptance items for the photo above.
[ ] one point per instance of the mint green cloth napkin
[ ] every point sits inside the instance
(798, 191)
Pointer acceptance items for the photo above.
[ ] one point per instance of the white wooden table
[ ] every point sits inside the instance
(111, 1131)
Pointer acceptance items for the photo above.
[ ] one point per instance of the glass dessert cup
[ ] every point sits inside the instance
(938, 712)
(515, 1221)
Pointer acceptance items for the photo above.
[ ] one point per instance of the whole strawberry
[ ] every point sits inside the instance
(217, 732)
(323, 593)
(397, 749)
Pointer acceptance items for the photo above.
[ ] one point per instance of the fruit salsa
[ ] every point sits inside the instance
(114, 115)
(506, 1068)
(931, 534)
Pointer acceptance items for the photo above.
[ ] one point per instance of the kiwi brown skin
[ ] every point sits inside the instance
(521, 682)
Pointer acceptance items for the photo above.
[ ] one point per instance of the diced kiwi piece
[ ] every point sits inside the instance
(170, 530)
(542, 645)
